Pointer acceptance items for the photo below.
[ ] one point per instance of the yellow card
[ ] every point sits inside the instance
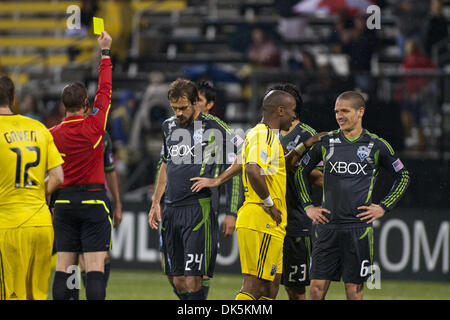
(98, 25)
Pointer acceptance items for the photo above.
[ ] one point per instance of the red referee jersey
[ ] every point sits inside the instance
(80, 140)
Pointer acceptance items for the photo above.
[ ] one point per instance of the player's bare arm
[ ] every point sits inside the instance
(228, 225)
(316, 177)
(154, 215)
(295, 155)
(258, 183)
(54, 180)
(232, 171)
(371, 213)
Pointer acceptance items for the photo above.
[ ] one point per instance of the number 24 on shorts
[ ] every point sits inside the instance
(193, 259)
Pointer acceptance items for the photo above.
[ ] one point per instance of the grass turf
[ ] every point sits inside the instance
(153, 285)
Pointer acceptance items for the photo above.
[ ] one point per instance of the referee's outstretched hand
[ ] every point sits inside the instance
(104, 40)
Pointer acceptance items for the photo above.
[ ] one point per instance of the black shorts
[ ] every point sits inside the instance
(346, 253)
(189, 239)
(82, 222)
(296, 261)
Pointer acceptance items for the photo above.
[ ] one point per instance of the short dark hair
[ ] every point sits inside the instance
(356, 99)
(275, 98)
(293, 91)
(73, 96)
(6, 91)
(208, 90)
(183, 88)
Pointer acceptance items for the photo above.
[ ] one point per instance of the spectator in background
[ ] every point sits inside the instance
(121, 124)
(88, 10)
(362, 45)
(291, 26)
(263, 52)
(30, 107)
(436, 29)
(56, 113)
(341, 32)
(153, 110)
(409, 19)
(411, 94)
(352, 37)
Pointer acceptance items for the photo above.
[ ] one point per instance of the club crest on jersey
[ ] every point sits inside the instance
(363, 152)
(290, 145)
(273, 270)
(198, 136)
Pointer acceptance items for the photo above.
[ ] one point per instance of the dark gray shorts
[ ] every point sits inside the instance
(346, 253)
(296, 261)
(189, 237)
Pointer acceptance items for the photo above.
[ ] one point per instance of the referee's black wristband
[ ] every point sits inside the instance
(106, 52)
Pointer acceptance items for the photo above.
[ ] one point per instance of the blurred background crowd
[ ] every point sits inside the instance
(399, 60)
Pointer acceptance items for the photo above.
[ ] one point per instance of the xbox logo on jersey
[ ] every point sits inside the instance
(352, 168)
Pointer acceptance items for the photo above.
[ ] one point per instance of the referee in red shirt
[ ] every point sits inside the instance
(81, 216)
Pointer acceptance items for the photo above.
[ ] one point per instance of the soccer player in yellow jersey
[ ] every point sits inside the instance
(26, 232)
(261, 221)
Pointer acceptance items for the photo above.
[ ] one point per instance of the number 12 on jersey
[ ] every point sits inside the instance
(28, 165)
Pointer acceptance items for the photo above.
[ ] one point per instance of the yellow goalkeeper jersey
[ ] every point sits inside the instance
(27, 152)
(263, 147)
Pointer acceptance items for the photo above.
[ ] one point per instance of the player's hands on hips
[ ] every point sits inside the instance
(201, 183)
(274, 212)
(228, 225)
(371, 213)
(104, 40)
(314, 139)
(315, 214)
(154, 216)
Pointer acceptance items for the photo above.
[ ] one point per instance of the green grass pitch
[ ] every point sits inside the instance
(153, 285)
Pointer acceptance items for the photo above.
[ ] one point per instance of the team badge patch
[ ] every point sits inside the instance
(291, 145)
(198, 136)
(263, 155)
(273, 270)
(363, 152)
(306, 159)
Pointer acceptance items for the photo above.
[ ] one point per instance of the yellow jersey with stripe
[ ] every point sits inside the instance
(263, 147)
(27, 153)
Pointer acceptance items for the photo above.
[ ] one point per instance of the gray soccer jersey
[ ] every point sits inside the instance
(350, 170)
(196, 150)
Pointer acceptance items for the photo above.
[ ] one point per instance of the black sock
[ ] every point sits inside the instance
(95, 286)
(198, 295)
(60, 290)
(83, 278)
(205, 287)
(74, 294)
(107, 269)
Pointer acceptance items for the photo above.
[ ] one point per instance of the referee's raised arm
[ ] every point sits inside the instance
(103, 96)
